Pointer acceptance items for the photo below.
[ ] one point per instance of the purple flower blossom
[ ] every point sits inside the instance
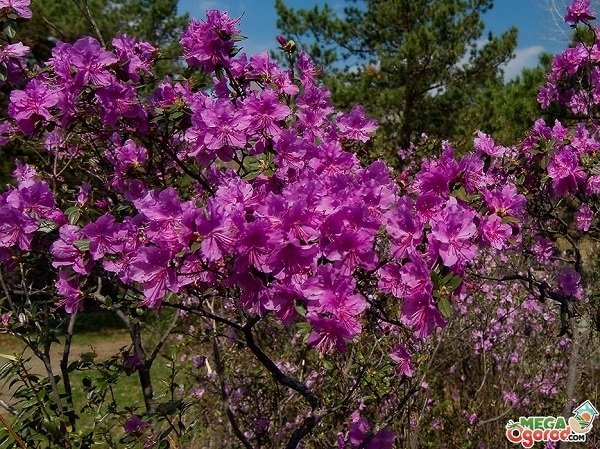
(355, 126)
(105, 236)
(224, 126)
(134, 425)
(570, 283)
(120, 101)
(495, 232)
(217, 233)
(404, 228)
(83, 194)
(583, 218)
(484, 144)
(20, 7)
(351, 250)
(420, 312)
(359, 429)
(391, 280)
(283, 303)
(293, 261)
(91, 61)
(11, 56)
(565, 171)
(453, 230)
(579, 11)
(152, 269)
(593, 185)
(208, 44)
(435, 176)
(33, 197)
(403, 360)
(256, 245)
(68, 250)
(266, 112)
(67, 286)
(26, 106)
(24, 172)
(16, 228)
(505, 201)
(327, 333)
(136, 56)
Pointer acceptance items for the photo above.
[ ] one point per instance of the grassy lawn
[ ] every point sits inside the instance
(104, 337)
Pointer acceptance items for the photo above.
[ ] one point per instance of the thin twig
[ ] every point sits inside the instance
(12, 432)
(64, 368)
(277, 374)
(85, 10)
(220, 369)
(163, 340)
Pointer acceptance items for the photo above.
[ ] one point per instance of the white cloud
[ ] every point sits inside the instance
(527, 57)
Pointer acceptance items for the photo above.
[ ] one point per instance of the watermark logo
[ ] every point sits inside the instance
(532, 429)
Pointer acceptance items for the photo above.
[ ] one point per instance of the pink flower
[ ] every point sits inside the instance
(570, 283)
(359, 430)
(32, 103)
(67, 286)
(355, 126)
(134, 425)
(565, 171)
(152, 269)
(495, 232)
(583, 218)
(484, 144)
(453, 230)
(543, 249)
(579, 11)
(20, 7)
(327, 333)
(403, 360)
(422, 314)
(208, 44)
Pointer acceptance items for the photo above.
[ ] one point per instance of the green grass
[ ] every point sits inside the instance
(105, 335)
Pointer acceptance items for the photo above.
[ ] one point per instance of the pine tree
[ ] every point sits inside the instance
(156, 21)
(414, 64)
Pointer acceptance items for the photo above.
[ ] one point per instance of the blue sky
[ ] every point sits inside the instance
(539, 23)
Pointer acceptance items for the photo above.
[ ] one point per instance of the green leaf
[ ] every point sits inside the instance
(88, 356)
(9, 29)
(300, 309)
(3, 71)
(436, 279)
(73, 214)
(461, 194)
(445, 307)
(304, 328)
(8, 357)
(454, 282)
(47, 226)
(509, 219)
(447, 278)
(6, 369)
(82, 245)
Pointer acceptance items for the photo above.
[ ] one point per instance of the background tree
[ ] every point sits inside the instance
(155, 21)
(414, 64)
(506, 109)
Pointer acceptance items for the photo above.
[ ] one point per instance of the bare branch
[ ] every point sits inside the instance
(163, 340)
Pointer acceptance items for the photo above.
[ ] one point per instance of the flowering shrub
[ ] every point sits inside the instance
(238, 211)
